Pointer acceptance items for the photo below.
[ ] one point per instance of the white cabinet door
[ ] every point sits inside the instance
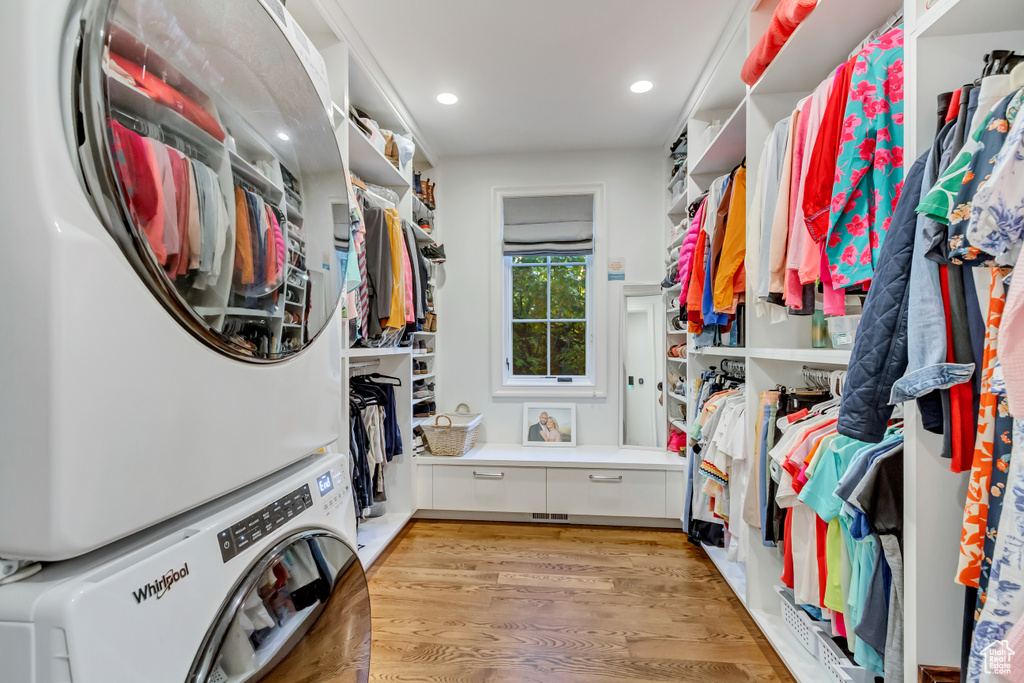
(675, 493)
(609, 493)
(489, 489)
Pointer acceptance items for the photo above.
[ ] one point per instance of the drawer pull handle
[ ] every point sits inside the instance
(604, 477)
(489, 475)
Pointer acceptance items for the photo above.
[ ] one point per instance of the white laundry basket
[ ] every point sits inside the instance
(456, 435)
(800, 624)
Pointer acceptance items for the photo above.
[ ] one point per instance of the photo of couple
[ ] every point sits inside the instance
(549, 425)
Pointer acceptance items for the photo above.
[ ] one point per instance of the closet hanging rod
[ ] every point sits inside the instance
(373, 363)
(736, 368)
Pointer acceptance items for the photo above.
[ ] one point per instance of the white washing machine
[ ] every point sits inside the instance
(262, 585)
(175, 203)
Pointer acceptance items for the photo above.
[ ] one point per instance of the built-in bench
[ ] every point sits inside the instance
(589, 484)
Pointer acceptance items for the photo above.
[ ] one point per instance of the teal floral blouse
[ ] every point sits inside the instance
(869, 169)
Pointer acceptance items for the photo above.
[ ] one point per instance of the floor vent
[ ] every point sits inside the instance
(541, 515)
(564, 518)
(548, 517)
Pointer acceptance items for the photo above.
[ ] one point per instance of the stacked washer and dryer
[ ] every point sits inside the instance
(170, 363)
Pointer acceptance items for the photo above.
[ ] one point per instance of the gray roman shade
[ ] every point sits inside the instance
(561, 225)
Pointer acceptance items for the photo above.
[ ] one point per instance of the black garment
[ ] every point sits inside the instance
(359, 448)
(379, 270)
(535, 434)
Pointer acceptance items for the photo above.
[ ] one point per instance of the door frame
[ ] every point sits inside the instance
(629, 290)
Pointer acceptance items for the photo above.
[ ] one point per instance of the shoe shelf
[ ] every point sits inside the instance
(673, 359)
(678, 397)
(422, 236)
(370, 165)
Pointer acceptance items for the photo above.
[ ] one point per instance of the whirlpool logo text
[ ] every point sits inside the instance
(159, 588)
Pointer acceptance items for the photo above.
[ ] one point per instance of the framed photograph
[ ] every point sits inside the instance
(549, 424)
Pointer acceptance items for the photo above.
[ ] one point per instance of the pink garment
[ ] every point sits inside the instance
(1011, 347)
(410, 302)
(794, 292)
(835, 299)
(810, 256)
(839, 624)
(165, 185)
(788, 15)
(279, 244)
(1015, 641)
(686, 253)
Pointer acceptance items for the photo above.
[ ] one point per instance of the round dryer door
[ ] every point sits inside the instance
(301, 614)
(207, 147)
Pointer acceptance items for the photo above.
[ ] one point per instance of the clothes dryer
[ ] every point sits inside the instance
(262, 585)
(176, 224)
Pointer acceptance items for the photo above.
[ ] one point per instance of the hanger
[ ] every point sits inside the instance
(394, 381)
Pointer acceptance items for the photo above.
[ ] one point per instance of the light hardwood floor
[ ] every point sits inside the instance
(477, 602)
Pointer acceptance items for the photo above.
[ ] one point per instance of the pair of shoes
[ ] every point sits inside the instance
(677, 351)
(422, 393)
(677, 442)
(419, 346)
(434, 253)
(425, 192)
(417, 186)
(424, 225)
(420, 410)
(431, 408)
(430, 322)
(419, 367)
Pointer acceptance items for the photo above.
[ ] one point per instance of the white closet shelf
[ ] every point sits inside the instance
(678, 397)
(677, 242)
(677, 176)
(720, 352)
(425, 334)
(360, 352)
(823, 356)
(369, 164)
(376, 533)
(679, 424)
(965, 17)
(829, 33)
(419, 209)
(416, 378)
(678, 207)
(601, 457)
(423, 355)
(422, 236)
(725, 88)
(251, 175)
(729, 146)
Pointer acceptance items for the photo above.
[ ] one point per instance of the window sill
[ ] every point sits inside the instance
(550, 391)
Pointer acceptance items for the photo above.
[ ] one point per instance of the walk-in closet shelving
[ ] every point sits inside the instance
(354, 83)
(951, 38)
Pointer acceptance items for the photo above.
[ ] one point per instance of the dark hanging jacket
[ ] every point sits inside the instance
(880, 351)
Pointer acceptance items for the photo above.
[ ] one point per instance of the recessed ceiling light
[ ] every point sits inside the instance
(447, 98)
(284, 136)
(641, 86)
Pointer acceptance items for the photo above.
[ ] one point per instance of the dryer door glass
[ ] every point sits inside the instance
(302, 614)
(209, 153)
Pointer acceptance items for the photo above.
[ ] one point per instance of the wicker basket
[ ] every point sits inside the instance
(458, 436)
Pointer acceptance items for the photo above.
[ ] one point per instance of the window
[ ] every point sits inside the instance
(548, 335)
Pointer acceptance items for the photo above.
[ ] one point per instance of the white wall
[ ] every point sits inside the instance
(634, 207)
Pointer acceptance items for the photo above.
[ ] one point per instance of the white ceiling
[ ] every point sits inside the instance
(541, 74)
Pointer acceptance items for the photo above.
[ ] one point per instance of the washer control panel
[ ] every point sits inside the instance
(333, 488)
(245, 532)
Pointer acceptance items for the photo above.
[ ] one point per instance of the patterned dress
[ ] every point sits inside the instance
(869, 170)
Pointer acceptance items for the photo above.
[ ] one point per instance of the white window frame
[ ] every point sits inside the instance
(511, 380)
(598, 296)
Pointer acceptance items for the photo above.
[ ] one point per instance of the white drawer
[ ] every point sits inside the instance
(489, 489)
(609, 493)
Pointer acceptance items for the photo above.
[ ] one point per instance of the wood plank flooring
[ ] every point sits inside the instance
(476, 602)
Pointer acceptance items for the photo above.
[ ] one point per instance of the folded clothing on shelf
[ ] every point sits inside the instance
(788, 15)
